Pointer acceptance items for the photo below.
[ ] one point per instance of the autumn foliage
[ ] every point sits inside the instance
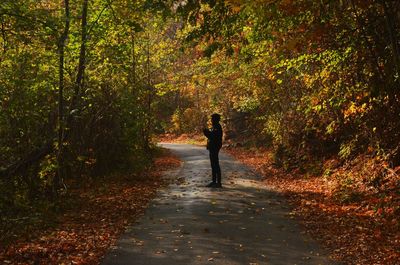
(85, 85)
(315, 83)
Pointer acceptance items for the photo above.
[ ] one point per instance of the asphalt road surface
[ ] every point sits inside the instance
(243, 223)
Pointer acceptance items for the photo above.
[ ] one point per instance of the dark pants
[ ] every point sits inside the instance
(216, 170)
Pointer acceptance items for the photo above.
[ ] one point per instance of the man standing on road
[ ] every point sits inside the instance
(214, 144)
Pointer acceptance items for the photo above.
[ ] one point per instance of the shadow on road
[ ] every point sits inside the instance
(243, 223)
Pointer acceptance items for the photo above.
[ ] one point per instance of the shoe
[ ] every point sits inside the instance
(211, 184)
(217, 185)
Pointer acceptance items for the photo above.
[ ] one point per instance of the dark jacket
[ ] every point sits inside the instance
(214, 137)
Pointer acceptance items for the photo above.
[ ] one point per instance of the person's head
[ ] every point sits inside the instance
(215, 118)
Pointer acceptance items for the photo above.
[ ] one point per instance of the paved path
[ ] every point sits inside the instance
(242, 224)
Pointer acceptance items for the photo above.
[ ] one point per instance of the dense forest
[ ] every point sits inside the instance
(85, 85)
(77, 91)
(312, 80)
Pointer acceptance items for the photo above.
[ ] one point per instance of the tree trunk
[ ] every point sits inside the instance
(82, 53)
(3, 35)
(392, 34)
(81, 70)
(133, 61)
(374, 57)
(149, 98)
(61, 46)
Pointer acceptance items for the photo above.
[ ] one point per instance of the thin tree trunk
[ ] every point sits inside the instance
(392, 34)
(3, 34)
(82, 53)
(149, 96)
(133, 61)
(81, 68)
(61, 46)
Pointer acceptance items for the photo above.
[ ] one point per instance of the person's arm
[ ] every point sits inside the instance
(207, 133)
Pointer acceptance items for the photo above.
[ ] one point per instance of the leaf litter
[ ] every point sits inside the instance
(354, 233)
(85, 232)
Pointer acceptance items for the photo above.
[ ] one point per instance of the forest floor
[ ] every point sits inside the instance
(81, 233)
(356, 232)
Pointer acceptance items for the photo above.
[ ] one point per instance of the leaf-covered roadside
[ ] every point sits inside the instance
(86, 231)
(192, 138)
(358, 232)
